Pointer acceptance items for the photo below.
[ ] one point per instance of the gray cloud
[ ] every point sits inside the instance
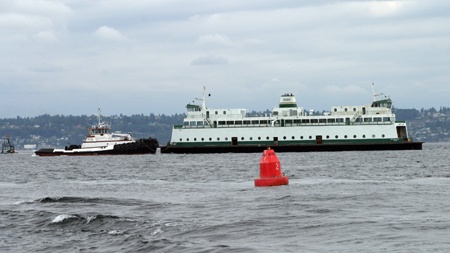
(209, 60)
(154, 56)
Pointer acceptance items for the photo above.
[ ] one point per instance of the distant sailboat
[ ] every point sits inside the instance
(8, 146)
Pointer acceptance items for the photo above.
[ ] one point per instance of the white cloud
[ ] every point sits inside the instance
(108, 33)
(215, 39)
(385, 8)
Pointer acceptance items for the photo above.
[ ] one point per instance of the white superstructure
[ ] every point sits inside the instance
(99, 136)
(289, 124)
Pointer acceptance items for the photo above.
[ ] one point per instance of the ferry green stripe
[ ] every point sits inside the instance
(288, 105)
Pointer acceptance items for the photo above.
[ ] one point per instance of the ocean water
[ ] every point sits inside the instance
(382, 201)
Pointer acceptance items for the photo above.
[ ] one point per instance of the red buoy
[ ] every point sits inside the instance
(270, 170)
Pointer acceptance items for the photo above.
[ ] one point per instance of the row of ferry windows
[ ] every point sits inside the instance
(288, 121)
(284, 137)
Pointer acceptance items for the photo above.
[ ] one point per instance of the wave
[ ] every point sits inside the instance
(64, 218)
(88, 200)
(69, 200)
(67, 218)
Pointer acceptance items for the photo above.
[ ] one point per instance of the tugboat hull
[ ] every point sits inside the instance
(139, 147)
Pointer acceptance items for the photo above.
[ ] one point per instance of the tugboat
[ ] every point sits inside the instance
(100, 141)
(290, 128)
(8, 146)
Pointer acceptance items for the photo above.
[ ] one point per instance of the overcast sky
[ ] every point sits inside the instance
(70, 57)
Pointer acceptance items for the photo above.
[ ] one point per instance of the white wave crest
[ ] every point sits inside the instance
(115, 232)
(62, 217)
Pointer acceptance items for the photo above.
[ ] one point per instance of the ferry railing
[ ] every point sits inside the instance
(288, 125)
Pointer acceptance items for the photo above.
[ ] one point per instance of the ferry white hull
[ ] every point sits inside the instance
(290, 139)
(290, 129)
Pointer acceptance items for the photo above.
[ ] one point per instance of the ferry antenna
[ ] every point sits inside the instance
(375, 95)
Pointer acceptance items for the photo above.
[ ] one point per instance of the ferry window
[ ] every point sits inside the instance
(345, 136)
(263, 122)
(238, 122)
(199, 123)
(336, 136)
(322, 120)
(288, 121)
(210, 139)
(354, 136)
(226, 138)
(310, 137)
(275, 113)
(354, 109)
(230, 122)
(255, 122)
(364, 136)
(246, 122)
(203, 139)
(346, 109)
(195, 139)
(328, 137)
(386, 119)
(358, 120)
(224, 112)
(335, 109)
(367, 119)
(377, 119)
(293, 137)
(339, 120)
(383, 135)
(297, 121)
(186, 123)
(187, 139)
(217, 112)
(181, 139)
(373, 136)
(259, 138)
(242, 138)
(301, 137)
(314, 121)
(251, 138)
(284, 137)
(267, 138)
(221, 123)
(218, 138)
(331, 120)
(305, 120)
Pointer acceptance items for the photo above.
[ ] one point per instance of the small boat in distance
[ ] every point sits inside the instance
(8, 146)
(290, 128)
(100, 141)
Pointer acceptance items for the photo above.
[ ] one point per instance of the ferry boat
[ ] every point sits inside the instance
(290, 128)
(100, 141)
(8, 146)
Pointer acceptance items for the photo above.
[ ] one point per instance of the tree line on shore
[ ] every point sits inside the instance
(60, 130)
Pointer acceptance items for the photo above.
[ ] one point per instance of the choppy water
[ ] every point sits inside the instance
(384, 201)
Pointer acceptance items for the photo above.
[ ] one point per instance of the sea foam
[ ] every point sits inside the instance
(62, 217)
